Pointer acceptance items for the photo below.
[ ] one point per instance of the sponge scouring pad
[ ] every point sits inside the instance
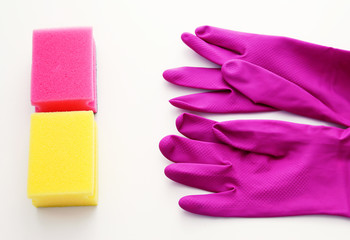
(63, 70)
(63, 159)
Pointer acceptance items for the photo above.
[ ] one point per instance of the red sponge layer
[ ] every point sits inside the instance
(63, 70)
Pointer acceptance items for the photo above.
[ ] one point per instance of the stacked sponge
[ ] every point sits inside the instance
(63, 139)
(63, 70)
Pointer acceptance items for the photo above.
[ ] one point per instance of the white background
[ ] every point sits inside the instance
(136, 41)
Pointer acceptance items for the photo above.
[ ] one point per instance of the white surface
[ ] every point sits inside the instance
(136, 41)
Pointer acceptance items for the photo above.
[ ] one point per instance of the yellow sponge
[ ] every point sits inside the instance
(63, 159)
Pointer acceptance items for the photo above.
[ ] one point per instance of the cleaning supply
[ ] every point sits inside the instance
(265, 73)
(63, 70)
(260, 168)
(63, 159)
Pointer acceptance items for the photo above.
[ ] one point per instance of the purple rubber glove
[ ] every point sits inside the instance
(265, 73)
(260, 168)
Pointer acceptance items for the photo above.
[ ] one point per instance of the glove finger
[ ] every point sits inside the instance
(265, 87)
(209, 177)
(211, 52)
(196, 127)
(221, 204)
(270, 137)
(235, 203)
(227, 39)
(230, 101)
(196, 77)
(183, 150)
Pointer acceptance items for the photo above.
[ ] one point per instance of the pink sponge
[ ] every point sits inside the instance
(63, 70)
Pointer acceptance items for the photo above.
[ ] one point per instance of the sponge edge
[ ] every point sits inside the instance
(64, 70)
(63, 159)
